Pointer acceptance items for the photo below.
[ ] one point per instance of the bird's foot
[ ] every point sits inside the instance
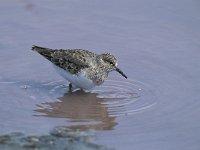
(70, 87)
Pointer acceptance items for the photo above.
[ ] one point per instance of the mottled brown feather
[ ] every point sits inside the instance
(72, 60)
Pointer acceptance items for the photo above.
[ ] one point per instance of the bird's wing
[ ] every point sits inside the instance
(70, 59)
(45, 52)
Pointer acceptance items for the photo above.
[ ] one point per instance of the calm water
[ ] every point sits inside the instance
(157, 44)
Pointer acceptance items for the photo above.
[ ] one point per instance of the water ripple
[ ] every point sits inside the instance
(119, 96)
(126, 97)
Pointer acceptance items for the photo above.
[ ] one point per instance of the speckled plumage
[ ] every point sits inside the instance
(81, 63)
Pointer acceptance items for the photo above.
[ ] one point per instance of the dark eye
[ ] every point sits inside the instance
(112, 63)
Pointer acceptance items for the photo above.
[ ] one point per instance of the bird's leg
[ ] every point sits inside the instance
(70, 87)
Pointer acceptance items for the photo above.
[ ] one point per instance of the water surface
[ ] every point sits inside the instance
(157, 44)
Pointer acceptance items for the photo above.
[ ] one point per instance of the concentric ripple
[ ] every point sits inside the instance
(126, 97)
(120, 96)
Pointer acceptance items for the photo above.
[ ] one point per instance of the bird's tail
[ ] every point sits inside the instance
(46, 52)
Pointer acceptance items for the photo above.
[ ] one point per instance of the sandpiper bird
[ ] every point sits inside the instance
(82, 68)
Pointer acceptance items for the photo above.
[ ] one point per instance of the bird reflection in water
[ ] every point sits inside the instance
(83, 110)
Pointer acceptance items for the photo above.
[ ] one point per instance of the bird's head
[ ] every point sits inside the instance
(110, 63)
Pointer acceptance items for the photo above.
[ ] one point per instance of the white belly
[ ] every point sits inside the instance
(79, 80)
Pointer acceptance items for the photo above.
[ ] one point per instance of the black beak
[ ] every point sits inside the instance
(118, 70)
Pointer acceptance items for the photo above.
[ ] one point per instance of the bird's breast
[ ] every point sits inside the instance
(79, 80)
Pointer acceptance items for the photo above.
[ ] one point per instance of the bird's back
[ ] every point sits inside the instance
(72, 60)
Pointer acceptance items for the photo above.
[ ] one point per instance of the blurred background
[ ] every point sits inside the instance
(157, 45)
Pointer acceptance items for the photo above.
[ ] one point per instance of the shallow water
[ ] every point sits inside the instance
(157, 44)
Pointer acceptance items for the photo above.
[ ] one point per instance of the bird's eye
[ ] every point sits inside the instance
(112, 63)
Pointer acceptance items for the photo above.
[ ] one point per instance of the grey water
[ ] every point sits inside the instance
(157, 45)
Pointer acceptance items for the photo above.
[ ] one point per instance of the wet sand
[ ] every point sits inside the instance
(157, 44)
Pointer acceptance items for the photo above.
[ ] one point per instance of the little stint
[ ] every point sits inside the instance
(82, 68)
